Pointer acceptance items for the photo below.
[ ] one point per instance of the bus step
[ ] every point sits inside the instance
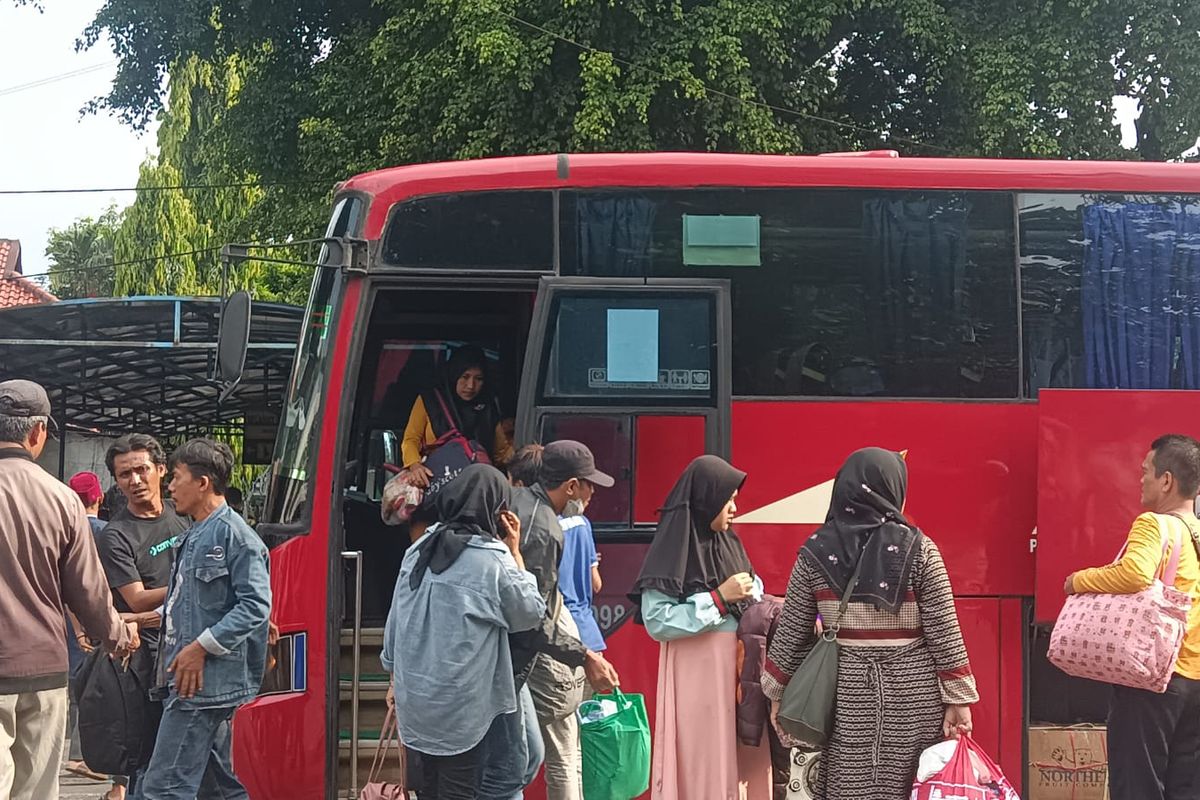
(371, 637)
(368, 690)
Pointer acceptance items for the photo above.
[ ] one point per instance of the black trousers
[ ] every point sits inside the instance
(444, 777)
(1154, 742)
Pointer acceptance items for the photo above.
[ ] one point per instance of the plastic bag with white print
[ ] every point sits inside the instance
(400, 499)
(960, 770)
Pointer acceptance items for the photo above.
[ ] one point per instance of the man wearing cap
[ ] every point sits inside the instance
(568, 480)
(47, 561)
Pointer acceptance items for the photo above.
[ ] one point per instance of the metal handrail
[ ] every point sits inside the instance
(357, 557)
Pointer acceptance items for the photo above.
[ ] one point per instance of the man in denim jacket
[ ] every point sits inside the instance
(214, 644)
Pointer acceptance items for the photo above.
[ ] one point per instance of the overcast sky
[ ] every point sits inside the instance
(44, 142)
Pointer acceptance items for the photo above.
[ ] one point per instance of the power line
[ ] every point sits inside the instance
(75, 73)
(114, 264)
(169, 256)
(749, 101)
(176, 187)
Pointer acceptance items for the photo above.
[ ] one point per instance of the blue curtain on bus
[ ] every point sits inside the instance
(915, 273)
(615, 235)
(1141, 322)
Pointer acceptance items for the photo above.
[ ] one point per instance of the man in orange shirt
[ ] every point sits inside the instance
(1154, 739)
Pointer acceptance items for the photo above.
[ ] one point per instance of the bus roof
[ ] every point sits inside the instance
(388, 186)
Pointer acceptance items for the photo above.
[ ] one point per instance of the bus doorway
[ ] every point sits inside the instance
(408, 338)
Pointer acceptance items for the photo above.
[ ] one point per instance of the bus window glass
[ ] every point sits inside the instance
(474, 230)
(835, 291)
(610, 438)
(654, 347)
(1110, 291)
(291, 468)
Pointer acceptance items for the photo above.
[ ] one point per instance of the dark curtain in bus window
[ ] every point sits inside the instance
(614, 235)
(914, 277)
(860, 292)
(1140, 283)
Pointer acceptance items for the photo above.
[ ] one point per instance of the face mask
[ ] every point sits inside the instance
(574, 508)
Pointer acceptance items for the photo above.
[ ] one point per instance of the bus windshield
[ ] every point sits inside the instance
(298, 424)
(287, 490)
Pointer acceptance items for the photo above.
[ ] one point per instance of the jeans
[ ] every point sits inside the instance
(1154, 742)
(512, 753)
(445, 777)
(193, 751)
(33, 727)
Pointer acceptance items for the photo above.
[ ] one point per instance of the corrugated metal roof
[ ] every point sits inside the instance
(143, 363)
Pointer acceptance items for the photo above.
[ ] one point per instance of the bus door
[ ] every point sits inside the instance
(1089, 475)
(639, 371)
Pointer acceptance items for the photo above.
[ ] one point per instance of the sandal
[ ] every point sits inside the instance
(84, 771)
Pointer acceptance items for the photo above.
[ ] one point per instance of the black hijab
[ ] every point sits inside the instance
(865, 523)
(475, 419)
(686, 556)
(468, 507)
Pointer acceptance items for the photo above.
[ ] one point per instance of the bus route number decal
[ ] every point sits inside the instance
(609, 616)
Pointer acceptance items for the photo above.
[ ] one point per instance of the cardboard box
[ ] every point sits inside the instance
(1067, 763)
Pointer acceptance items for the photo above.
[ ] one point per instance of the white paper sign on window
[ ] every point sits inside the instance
(633, 345)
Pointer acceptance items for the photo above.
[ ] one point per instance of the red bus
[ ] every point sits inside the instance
(1023, 329)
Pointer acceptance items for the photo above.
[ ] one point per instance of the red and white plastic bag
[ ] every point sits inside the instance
(960, 770)
(400, 499)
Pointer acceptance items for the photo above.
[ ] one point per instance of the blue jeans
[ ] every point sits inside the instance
(512, 752)
(192, 756)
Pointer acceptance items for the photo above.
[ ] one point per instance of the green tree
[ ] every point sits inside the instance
(328, 89)
(170, 238)
(81, 255)
(1046, 66)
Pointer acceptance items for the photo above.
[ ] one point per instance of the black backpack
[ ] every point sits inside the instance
(118, 722)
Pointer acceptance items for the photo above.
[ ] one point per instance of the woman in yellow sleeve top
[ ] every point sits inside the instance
(463, 400)
(1154, 739)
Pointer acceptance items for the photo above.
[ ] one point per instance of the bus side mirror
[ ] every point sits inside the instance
(233, 340)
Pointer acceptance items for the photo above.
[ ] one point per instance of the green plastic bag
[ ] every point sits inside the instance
(616, 748)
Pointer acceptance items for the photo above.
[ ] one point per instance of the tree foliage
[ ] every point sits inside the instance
(80, 256)
(327, 89)
(170, 238)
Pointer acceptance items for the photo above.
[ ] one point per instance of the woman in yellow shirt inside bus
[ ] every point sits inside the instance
(1154, 739)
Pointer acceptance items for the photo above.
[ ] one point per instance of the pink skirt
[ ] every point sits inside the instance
(696, 755)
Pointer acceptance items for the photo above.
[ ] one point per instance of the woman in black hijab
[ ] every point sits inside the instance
(462, 399)
(904, 680)
(694, 583)
(462, 590)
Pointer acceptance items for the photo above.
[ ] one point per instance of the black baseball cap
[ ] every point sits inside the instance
(566, 459)
(24, 399)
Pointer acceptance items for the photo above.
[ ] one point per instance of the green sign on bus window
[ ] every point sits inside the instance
(721, 241)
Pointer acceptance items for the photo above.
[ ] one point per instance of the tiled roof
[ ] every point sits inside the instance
(16, 289)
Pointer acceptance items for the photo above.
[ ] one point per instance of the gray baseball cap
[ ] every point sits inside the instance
(24, 399)
(566, 459)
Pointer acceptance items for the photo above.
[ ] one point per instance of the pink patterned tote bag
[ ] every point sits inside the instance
(1127, 639)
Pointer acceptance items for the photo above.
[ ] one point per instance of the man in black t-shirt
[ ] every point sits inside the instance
(137, 546)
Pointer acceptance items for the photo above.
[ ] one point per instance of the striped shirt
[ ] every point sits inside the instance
(927, 613)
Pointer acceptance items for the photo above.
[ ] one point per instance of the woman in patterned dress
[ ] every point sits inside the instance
(904, 680)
